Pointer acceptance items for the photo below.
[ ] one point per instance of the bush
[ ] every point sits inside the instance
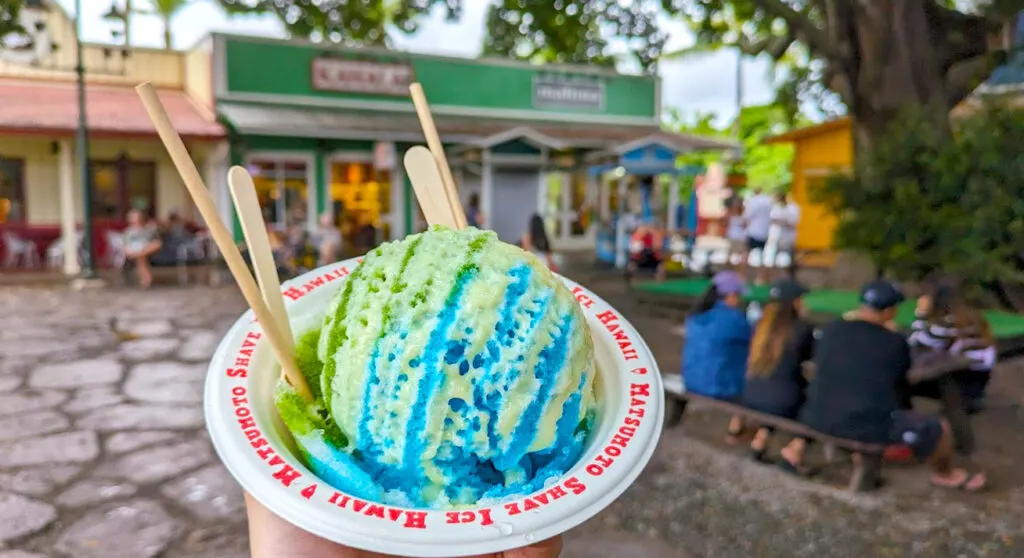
(923, 202)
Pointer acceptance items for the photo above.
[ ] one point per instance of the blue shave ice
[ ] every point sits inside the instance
(451, 369)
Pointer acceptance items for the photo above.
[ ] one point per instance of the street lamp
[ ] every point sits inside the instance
(82, 139)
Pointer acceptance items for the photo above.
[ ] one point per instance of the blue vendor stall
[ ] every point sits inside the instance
(631, 172)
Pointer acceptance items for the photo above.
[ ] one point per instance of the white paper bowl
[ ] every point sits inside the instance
(254, 445)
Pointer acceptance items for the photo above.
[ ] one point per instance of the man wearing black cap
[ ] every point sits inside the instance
(860, 390)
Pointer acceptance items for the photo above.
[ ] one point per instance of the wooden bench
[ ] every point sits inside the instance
(867, 468)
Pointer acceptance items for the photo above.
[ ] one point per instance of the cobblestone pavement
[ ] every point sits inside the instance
(103, 455)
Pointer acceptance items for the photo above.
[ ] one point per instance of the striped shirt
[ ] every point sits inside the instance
(945, 336)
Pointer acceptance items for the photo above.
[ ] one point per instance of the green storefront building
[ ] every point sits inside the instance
(322, 129)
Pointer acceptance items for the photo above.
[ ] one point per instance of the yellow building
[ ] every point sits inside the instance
(40, 194)
(820, 150)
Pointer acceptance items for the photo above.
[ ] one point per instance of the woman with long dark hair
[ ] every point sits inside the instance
(536, 240)
(474, 217)
(783, 342)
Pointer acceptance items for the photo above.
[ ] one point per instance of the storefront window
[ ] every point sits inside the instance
(362, 198)
(282, 189)
(577, 203)
(121, 185)
(12, 190)
(553, 203)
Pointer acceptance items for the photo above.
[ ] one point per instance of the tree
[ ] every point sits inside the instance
(574, 31)
(166, 10)
(935, 202)
(350, 22)
(10, 13)
(766, 166)
(879, 56)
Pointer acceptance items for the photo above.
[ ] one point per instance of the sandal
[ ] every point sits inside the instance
(796, 470)
(734, 437)
(971, 482)
(758, 456)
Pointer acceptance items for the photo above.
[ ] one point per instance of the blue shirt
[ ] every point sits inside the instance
(715, 352)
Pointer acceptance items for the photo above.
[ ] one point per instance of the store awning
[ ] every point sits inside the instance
(524, 133)
(671, 141)
(278, 120)
(51, 107)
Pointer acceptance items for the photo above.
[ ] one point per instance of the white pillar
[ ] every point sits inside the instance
(673, 202)
(68, 232)
(486, 187)
(542, 183)
(398, 204)
(215, 170)
(604, 195)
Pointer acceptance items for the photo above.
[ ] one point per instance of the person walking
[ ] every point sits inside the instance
(785, 216)
(757, 215)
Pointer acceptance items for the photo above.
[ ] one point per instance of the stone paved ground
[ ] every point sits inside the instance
(103, 455)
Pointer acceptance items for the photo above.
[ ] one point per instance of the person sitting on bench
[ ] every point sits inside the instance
(945, 321)
(783, 343)
(860, 391)
(141, 240)
(718, 344)
(647, 250)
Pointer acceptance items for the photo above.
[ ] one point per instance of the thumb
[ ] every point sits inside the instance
(550, 548)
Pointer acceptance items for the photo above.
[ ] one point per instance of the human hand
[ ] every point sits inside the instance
(272, 537)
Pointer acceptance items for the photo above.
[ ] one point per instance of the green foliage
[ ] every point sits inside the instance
(9, 13)
(922, 202)
(350, 22)
(574, 31)
(766, 166)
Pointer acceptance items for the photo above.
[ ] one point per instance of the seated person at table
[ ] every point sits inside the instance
(646, 244)
(783, 343)
(718, 344)
(141, 240)
(945, 321)
(860, 391)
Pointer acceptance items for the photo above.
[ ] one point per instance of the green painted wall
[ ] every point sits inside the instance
(283, 68)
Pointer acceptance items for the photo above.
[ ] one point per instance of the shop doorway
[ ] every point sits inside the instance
(283, 190)
(515, 200)
(360, 201)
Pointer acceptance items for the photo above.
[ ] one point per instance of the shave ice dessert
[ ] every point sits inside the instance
(450, 369)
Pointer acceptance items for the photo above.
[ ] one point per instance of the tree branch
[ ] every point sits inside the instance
(800, 26)
(964, 77)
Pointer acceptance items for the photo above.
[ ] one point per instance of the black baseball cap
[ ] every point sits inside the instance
(786, 290)
(881, 295)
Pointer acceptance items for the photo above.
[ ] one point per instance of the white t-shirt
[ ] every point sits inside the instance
(757, 210)
(786, 218)
(736, 230)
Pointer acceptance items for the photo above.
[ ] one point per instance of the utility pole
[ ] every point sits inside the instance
(89, 261)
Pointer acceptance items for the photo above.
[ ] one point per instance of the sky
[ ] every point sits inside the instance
(698, 85)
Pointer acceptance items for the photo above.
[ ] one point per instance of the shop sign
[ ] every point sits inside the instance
(563, 92)
(357, 76)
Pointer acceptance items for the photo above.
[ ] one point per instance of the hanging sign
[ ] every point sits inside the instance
(564, 92)
(357, 76)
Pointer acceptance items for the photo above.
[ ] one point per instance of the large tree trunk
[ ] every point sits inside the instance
(898, 66)
(892, 55)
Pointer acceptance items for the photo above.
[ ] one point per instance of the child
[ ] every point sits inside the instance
(944, 321)
(736, 234)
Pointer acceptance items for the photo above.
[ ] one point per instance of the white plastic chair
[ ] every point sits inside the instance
(17, 248)
(55, 251)
(55, 254)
